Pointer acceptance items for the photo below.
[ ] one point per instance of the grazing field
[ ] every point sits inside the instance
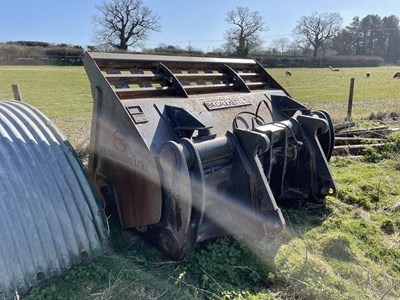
(348, 248)
(329, 90)
(63, 93)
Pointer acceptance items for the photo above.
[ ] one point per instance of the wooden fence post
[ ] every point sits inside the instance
(16, 92)
(350, 103)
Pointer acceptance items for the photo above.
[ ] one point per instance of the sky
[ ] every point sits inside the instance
(200, 24)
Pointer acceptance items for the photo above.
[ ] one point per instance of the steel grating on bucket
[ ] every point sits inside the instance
(50, 216)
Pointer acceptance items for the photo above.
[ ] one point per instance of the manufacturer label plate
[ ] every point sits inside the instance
(226, 103)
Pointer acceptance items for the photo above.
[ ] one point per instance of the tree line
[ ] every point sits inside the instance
(125, 24)
(35, 52)
(371, 36)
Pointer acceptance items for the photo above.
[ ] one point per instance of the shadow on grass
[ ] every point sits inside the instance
(221, 268)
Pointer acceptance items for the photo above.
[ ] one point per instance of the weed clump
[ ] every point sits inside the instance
(388, 226)
(371, 155)
(384, 115)
(223, 265)
(394, 142)
(309, 275)
(337, 247)
(387, 151)
(353, 197)
(93, 272)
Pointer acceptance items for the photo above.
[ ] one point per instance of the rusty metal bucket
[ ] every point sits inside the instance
(189, 148)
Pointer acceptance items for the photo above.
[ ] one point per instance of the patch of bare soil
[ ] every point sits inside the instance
(75, 129)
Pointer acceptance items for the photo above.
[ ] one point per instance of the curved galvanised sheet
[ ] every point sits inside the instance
(50, 218)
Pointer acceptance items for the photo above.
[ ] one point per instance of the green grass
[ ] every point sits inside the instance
(348, 249)
(354, 253)
(56, 91)
(68, 87)
(322, 88)
(134, 270)
(61, 93)
(323, 85)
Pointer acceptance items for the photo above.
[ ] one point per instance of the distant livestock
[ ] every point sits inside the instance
(288, 73)
(397, 75)
(368, 74)
(334, 69)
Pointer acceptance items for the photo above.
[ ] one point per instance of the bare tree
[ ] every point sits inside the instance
(280, 45)
(243, 37)
(318, 29)
(124, 23)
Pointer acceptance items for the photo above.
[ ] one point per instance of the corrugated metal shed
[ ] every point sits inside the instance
(50, 218)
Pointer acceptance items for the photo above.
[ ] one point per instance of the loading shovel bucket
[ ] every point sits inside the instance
(50, 217)
(190, 148)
